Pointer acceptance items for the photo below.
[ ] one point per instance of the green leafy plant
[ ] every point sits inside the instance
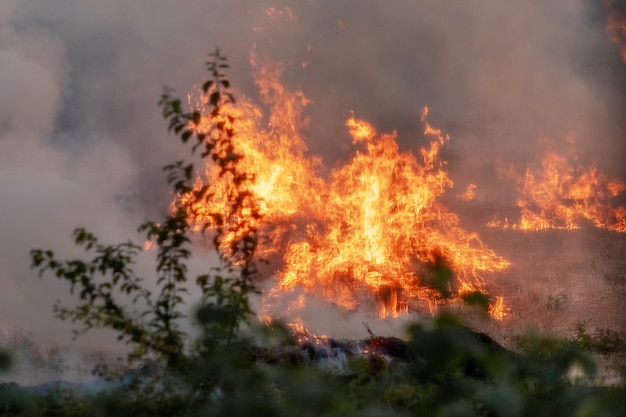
(107, 284)
(5, 360)
(602, 341)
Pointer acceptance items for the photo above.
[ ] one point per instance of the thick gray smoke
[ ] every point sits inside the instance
(82, 140)
(495, 75)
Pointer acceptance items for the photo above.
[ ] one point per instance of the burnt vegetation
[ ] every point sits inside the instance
(232, 367)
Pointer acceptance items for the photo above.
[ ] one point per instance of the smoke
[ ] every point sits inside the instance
(495, 75)
(82, 140)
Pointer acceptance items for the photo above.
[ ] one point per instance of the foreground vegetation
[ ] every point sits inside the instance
(226, 371)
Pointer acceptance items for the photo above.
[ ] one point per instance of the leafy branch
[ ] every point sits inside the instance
(107, 283)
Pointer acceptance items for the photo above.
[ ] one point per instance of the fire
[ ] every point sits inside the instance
(468, 194)
(498, 309)
(557, 194)
(304, 335)
(367, 231)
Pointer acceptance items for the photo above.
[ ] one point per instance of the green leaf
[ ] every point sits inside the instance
(196, 117)
(501, 400)
(5, 360)
(210, 314)
(186, 135)
(476, 298)
(176, 106)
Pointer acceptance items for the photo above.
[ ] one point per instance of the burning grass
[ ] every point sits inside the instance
(561, 193)
(367, 230)
(370, 233)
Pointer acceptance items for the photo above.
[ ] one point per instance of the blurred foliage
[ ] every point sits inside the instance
(602, 341)
(449, 370)
(5, 360)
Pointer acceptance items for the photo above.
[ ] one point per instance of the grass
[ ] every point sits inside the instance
(558, 280)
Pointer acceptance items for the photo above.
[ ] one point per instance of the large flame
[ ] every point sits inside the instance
(368, 230)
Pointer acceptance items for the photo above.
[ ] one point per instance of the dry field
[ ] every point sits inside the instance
(559, 279)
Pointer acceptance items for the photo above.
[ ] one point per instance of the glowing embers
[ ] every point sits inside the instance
(357, 234)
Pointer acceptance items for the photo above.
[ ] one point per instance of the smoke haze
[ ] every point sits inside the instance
(82, 141)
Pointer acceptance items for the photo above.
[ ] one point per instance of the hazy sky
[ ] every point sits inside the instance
(82, 140)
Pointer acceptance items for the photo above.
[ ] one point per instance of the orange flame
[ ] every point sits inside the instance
(498, 309)
(559, 195)
(364, 232)
(468, 194)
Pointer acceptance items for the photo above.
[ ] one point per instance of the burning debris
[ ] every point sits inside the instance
(334, 355)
